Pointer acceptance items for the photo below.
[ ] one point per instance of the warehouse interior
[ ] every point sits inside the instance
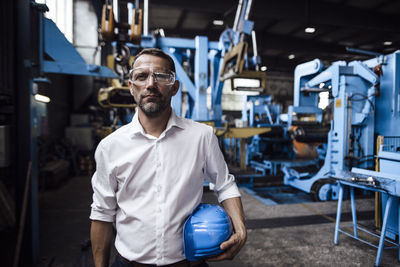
(303, 96)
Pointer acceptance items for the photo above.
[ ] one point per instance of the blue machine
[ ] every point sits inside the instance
(350, 140)
(260, 111)
(200, 64)
(386, 180)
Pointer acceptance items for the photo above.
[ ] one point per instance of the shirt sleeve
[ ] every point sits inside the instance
(217, 172)
(104, 186)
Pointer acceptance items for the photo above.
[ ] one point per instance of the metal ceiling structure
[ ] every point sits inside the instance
(280, 27)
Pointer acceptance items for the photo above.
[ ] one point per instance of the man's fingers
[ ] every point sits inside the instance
(226, 255)
(230, 247)
(228, 243)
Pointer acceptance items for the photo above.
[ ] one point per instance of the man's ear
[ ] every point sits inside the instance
(175, 88)
(130, 87)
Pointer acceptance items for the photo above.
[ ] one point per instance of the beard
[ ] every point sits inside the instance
(153, 105)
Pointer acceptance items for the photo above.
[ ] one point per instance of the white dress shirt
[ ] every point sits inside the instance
(149, 186)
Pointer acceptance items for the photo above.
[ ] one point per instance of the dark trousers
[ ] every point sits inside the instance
(121, 262)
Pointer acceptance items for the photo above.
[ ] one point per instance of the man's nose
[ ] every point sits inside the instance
(151, 81)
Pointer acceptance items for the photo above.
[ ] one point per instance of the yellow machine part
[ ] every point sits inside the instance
(116, 97)
(136, 26)
(107, 23)
(233, 67)
(233, 61)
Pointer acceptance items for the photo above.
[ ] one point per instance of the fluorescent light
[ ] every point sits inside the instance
(309, 30)
(218, 22)
(264, 68)
(387, 43)
(42, 98)
(321, 85)
(291, 56)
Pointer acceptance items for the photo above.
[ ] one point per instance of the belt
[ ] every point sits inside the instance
(183, 263)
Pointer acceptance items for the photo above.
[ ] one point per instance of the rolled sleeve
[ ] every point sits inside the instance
(217, 172)
(104, 188)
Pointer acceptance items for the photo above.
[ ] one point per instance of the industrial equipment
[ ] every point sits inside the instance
(116, 97)
(383, 114)
(349, 137)
(259, 111)
(200, 63)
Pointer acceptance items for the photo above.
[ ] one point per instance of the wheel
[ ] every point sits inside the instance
(323, 190)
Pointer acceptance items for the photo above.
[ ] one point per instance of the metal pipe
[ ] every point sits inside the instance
(364, 52)
(253, 38)
(348, 110)
(237, 16)
(246, 16)
(146, 18)
(255, 52)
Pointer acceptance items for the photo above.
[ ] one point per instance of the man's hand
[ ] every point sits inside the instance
(232, 246)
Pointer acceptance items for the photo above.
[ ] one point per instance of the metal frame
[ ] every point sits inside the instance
(346, 80)
(66, 59)
(392, 200)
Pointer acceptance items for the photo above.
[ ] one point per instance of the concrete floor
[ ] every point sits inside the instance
(279, 235)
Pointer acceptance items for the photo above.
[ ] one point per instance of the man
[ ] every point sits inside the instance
(150, 174)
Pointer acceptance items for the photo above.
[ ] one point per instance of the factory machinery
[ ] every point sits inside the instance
(383, 176)
(200, 63)
(319, 150)
(349, 136)
(363, 103)
(356, 137)
(201, 66)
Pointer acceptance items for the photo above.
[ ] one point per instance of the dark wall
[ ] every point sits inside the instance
(59, 109)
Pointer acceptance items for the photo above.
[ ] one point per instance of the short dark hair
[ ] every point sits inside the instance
(158, 53)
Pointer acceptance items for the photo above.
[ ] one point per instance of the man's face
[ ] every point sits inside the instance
(150, 84)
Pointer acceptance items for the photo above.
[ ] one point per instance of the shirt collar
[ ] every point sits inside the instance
(174, 121)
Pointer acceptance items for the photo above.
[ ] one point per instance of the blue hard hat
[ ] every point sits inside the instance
(204, 231)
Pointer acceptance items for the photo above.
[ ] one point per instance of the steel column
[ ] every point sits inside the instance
(200, 112)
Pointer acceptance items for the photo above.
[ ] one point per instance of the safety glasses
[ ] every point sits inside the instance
(140, 76)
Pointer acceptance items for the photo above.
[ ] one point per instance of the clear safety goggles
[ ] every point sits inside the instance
(140, 76)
